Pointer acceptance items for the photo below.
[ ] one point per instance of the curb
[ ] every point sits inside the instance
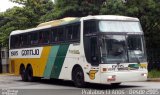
(153, 79)
(5, 74)
(149, 79)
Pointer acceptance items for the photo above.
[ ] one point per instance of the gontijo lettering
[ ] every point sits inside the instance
(30, 52)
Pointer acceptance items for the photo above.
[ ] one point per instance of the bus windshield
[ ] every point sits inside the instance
(122, 48)
(119, 26)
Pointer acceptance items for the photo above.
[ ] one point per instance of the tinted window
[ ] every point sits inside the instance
(13, 41)
(73, 32)
(34, 38)
(61, 34)
(24, 38)
(44, 36)
(16, 41)
(76, 32)
(90, 27)
(69, 31)
(54, 35)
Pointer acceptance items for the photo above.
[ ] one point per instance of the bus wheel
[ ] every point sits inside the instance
(23, 73)
(78, 77)
(115, 84)
(30, 74)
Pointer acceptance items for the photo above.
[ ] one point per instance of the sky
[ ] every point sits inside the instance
(5, 4)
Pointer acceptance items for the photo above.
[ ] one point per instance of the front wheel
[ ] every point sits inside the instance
(78, 77)
(115, 84)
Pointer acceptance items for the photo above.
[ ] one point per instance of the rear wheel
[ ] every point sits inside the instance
(23, 73)
(78, 77)
(30, 74)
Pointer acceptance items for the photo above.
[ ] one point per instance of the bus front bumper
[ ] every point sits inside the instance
(117, 77)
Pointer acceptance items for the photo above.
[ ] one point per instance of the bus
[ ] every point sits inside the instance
(104, 49)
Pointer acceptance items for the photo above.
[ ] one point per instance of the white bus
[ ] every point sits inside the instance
(103, 49)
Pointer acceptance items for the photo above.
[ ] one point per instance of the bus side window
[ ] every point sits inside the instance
(29, 39)
(24, 39)
(40, 39)
(46, 36)
(43, 37)
(34, 38)
(90, 27)
(21, 41)
(13, 42)
(17, 41)
(69, 32)
(54, 35)
(73, 32)
(76, 32)
(61, 34)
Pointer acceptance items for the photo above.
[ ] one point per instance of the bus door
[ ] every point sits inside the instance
(92, 56)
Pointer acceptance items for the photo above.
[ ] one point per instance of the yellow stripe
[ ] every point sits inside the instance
(38, 64)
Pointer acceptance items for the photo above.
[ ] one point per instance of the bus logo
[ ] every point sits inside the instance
(92, 74)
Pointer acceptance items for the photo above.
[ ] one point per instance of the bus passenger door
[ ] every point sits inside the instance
(92, 56)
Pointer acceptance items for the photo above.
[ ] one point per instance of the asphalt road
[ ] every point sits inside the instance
(12, 85)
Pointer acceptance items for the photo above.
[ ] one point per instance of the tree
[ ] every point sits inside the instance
(15, 19)
(22, 18)
(113, 7)
(148, 13)
(77, 8)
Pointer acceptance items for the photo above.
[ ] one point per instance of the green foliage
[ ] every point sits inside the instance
(113, 7)
(154, 74)
(77, 8)
(22, 18)
(38, 11)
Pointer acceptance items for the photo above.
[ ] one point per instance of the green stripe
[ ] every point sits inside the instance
(50, 61)
(59, 61)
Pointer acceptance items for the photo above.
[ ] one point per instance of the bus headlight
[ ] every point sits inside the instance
(144, 74)
(111, 78)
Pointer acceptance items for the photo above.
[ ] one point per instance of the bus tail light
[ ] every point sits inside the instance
(111, 78)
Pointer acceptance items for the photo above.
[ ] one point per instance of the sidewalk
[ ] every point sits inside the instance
(149, 79)
(153, 79)
(6, 74)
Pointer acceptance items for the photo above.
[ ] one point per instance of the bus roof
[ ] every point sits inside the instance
(60, 21)
(73, 19)
(110, 17)
(48, 25)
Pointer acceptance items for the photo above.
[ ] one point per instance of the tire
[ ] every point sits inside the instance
(23, 73)
(29, 71)
(115, 84)
(78, 77)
